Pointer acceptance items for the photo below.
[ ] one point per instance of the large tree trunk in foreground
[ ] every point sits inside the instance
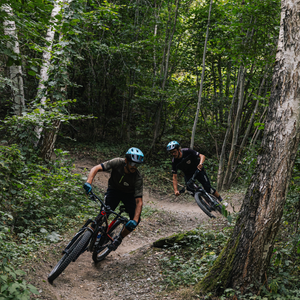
(245, 259)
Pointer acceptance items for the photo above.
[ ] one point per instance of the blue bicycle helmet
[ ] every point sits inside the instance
(173, 145)
(135, 155)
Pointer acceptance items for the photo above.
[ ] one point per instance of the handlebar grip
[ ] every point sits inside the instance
(92, 196)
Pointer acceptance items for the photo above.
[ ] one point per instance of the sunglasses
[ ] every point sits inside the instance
(131, 163)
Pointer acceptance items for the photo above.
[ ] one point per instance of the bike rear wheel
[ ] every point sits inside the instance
(203, 205)
(73, 252)
(102, 249)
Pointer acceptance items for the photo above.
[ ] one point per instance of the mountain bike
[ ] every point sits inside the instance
(94, 236)
(207, 202)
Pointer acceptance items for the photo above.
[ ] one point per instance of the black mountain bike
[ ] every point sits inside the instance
(95, 236)
(207, 202)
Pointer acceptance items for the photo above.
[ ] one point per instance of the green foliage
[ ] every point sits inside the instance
(247, 166)
(22, 130)
(12, 286)
(36, 199)
(187, 262)
(148, 211)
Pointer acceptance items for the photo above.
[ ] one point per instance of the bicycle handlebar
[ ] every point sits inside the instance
(195, 174)
(191, 181)
(107, 208)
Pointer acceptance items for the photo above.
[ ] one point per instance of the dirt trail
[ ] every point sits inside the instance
(132, 272)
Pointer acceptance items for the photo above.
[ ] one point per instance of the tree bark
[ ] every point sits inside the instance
(16, 74)
(244, 261)
(47, 142)
(41, 95)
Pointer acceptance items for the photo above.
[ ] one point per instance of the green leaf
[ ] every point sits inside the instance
(10, 62)
(33, 289)
(32, 73)
(13, 287)
(4, 277)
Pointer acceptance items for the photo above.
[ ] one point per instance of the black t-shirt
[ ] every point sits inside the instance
(187, 163)
(119, 180)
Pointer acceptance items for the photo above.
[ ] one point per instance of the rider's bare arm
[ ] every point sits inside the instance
(175, 185)
(137, 214)
(93, 173)
(202, 159)
(138, 209)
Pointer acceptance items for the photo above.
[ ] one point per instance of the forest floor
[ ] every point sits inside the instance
(134, 270)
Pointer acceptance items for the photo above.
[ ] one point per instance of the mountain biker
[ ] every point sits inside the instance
(125, 184)
(188, 161)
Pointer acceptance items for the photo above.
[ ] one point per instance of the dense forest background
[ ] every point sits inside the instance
(136, 67)
(90, 72)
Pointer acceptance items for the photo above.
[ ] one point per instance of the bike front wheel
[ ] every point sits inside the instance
(217, 205)
(200, 200)
(103, 249)
(72, 253)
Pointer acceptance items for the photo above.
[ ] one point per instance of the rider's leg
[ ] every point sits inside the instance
(112, 198)
(130, 205)
(204, 180)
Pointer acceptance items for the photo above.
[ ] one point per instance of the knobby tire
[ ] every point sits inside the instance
(200, 202)
(76, 248)
(102, 249)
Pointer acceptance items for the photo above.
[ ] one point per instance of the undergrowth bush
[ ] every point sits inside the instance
(12, 284)
(187, 262)
(36, 200)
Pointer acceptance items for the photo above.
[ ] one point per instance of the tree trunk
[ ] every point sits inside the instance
(41, 95)
(250, 124)
(16, 74)
(47, 142)
(164, 74)
(236, 128)
(221, 168)
(202, 80)
(244, 261)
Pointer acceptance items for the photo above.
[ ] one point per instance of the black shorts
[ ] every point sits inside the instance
(204, 180)
(113, 198)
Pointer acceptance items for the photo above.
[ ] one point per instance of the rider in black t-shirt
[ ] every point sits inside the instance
(125, 184)
(188, 161)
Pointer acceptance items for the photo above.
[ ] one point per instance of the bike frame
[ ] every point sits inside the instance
(94, 227)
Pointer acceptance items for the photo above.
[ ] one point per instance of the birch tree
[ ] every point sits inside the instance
(15, 71)
(41, 96)
(244, 261)
(49, 135)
